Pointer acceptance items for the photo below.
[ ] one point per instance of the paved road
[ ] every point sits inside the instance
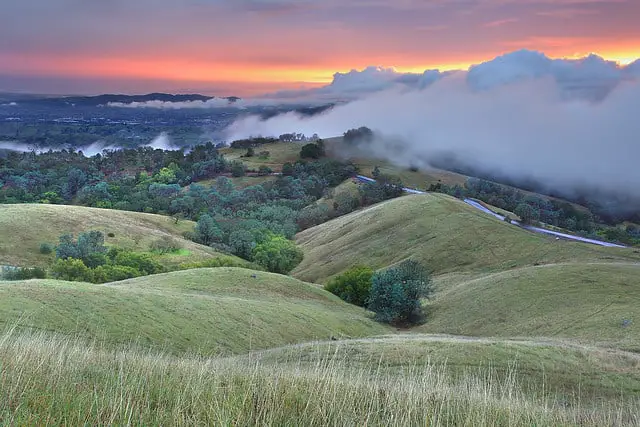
(531, 228)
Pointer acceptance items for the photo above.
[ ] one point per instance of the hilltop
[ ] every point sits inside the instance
(205, 311)
(24, 227)
(440, 231)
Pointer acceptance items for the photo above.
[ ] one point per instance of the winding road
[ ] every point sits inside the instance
(531, 228)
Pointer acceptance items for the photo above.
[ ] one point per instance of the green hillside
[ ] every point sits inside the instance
(24, 227)
(582, 301)
(221, 310)
(442, 232)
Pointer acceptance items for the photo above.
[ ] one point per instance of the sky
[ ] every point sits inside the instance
(250, 47)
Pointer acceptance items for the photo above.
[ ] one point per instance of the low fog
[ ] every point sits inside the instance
(528, 129)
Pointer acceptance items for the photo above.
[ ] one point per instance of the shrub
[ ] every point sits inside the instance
(22, 273)
(277, 254)
(396, 293)
(114, 273)
(237, 169)
(72, 269)
(111, 235)
(46, 248)
(353, 286)
(165, 245)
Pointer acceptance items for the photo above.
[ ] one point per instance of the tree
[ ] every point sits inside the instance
(207, 230)
(352, 286)
(526, 213)
(277, 254)
(250, 152)
(312, 151)
(287, 169)
(357, 136)
(396, 293)
(242, 243)
(237, 169)
(376, 172)
(71, 269)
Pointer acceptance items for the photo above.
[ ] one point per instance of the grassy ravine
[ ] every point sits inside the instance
(204, 311)
(24, 227)
(442, 232)
(48, 380)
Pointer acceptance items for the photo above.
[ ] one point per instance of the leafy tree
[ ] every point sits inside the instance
(527, 213)
(353, 286)
(242, 243)
(207, 230)
(264, 170)
(250, 152)
(396, 293)
(376, 172)
(357, 136)
(237, 168)
(22, 273)
(71, 269)
(277, 254)
(313, 215)
(311, 151)
(287, 169)
(345, 203)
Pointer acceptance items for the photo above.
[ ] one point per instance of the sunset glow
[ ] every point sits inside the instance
(256, 45)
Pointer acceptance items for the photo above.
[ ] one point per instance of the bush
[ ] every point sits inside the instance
(277, 254)
(396, 293)
(46, 248)
(165, 245)
(352, 286)
(72, 269)
(22, 273)
(311, 151)
(237, 169)
(111, 235)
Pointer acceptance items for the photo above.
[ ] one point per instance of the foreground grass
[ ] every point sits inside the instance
(204, 311)
(24, 227)
(47, 380)
(438, 230)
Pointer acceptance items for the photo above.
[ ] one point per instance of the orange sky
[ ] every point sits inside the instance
(252, 46)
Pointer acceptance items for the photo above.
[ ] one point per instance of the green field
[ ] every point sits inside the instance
(444, 233)
(205, 311)
(24, 227)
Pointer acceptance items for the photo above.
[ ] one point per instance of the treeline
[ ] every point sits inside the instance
(533, 209)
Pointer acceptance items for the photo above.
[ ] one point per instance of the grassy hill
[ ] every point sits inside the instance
(582, 301)
(442, 232)
(221, 310)
(24, 227)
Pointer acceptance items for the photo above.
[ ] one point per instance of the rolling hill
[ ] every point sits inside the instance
(24, 227)
(442, 232)
(204, 311)
(596, 302)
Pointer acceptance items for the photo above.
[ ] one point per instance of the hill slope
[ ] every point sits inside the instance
(588, 301)
(229, 310)
(24, 227)
(440, 231)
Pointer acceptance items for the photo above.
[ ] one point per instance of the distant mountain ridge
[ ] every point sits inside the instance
(88, 101)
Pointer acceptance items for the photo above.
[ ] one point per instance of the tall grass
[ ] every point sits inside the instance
(48, 380)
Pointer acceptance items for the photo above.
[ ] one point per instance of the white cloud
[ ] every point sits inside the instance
(525, 129)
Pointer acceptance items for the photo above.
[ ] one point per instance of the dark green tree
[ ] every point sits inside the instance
(207, 230)
(396, 293)
(277, 254)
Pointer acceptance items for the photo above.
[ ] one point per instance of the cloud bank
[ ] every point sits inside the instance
(568, 124)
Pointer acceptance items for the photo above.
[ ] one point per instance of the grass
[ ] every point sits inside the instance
(24, 227)
(47, 380)
(581, 301)
(444, 233)
(555, 369)
(279, 154)
(205, 311)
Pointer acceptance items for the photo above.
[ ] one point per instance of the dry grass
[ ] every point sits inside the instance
(47, 380)
(24, 227)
